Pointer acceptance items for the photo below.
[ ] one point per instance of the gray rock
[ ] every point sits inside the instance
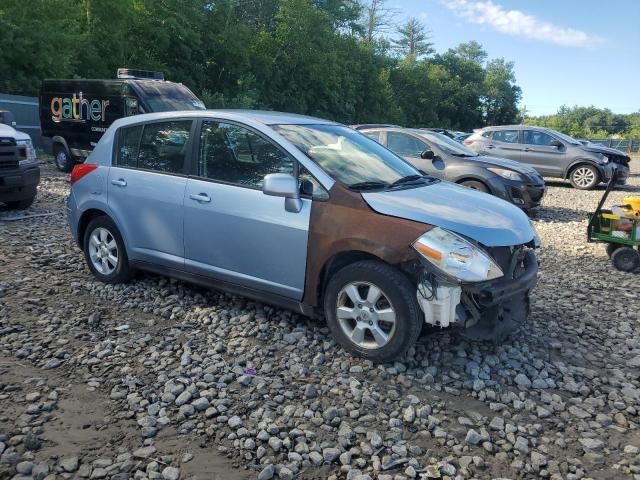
(183, 398)
(144, 452)
(267, 473)
(70, 464)
(591, 444)
(330, 454)
(234, 422)
(24, 468)
(523, 381)
(473, 437)
(171, 473)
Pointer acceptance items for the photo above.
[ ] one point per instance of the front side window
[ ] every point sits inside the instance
(346, 155)
(534, 137)
(405, 145)
(234, 154)
(506, 136)
(160, 146)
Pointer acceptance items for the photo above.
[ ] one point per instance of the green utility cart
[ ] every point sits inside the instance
(623, 244)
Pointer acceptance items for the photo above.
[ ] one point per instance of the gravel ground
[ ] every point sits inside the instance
(159, 379)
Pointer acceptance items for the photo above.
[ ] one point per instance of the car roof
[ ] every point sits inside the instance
(260, 116)
(367, 126)
(512, 127)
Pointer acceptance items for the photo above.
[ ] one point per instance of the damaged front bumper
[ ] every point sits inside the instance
(486, 310)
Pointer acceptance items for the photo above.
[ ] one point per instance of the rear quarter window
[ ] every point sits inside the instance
(128, 146)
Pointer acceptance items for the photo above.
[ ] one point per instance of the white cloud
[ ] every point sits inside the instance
(515, 22)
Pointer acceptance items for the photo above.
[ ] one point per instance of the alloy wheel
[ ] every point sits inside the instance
(103, 251)
(584, 177)
(366, 315)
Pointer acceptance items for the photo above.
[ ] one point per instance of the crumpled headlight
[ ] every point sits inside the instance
(456, 257)
(506, 173)
(31, 152)
(604, 159)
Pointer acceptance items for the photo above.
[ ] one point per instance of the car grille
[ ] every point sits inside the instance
(9, 153)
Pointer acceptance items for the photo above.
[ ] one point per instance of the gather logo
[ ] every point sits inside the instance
(78, 109)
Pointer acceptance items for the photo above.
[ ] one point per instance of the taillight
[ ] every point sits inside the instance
(80, 170)
(467, 142)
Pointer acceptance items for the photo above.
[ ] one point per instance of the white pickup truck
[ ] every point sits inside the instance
(19, 170)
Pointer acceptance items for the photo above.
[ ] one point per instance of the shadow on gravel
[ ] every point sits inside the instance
(558, 214)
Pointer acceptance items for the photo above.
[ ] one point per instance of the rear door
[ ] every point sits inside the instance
(545, 158)
(233, 232)
(505, 144)
(146, 189)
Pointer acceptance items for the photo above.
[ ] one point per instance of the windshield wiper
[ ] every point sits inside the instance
(370, 185)
(463, 155)
(406, 180)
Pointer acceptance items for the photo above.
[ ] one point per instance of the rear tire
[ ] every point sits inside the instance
(63, 159)
(584, 177)
(475, 185)
(20, 204)
(372, 310)
(626, 259)
(104, 251)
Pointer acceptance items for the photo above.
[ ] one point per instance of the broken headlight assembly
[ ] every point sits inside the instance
(455, 257)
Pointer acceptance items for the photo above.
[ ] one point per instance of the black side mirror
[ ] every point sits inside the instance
(555, 143)
(427, 154)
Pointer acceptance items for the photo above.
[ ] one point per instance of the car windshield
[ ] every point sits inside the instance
(167, 96)
(448, 145)
(348, 156)
(564, 137)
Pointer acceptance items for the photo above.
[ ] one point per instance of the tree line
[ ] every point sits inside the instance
(346, 60)
(590, 122)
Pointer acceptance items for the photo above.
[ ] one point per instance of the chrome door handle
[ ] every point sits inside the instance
(200, 197)
(526, 150)
(121, 182)
(491, 146)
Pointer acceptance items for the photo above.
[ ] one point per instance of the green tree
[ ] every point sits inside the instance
(501, 94)
(413, 40)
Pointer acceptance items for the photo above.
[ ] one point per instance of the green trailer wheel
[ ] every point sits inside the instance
(612, 247)
(626, 259)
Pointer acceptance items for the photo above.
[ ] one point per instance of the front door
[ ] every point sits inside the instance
(146, 190)
(540, 154)
(233, 232)
(410, 148)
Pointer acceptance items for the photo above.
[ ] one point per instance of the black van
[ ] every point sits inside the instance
(75, 113)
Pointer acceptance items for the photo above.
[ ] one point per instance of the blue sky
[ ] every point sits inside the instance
(571, 52)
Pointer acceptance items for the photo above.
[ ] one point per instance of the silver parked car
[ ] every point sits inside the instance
(552, 154)
(307, 214)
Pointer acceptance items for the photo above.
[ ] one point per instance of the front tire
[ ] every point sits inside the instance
(626, 259)
(372, 310)
(584, 177)
(104, 251)
(63, 159)
(475, 185)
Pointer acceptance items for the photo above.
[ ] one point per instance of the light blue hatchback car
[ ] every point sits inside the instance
(307, 214)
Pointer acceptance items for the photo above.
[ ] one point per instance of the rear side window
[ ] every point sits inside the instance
(487, 134)
(372, 135)
(159, 146)
(234, 154)
(506, 136)
(129, 145)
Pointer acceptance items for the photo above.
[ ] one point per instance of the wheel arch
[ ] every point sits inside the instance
(89, 215)
(58, 140)
(336, 263)
(582, 161)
